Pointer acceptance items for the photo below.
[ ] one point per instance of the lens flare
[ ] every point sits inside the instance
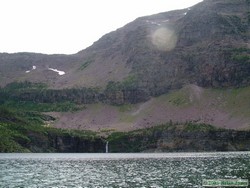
(164, 39)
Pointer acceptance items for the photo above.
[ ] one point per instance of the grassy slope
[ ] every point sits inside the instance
(228, 108)
(22, 131)
(235, 101)
(191, 103)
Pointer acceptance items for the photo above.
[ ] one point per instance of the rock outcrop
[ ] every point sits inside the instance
(207, 45)
(62, 142)
(180, 138)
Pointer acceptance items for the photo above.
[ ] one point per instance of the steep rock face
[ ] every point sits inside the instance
(218, 41)
(63, 143)
(210, 47)
(78, 96)
(67, 144)
(179, 139)
(129, 96)
(204, 141)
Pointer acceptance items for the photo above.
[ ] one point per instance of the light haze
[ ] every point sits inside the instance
(68, 26)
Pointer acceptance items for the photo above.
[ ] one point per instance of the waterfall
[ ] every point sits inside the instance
(107, 146)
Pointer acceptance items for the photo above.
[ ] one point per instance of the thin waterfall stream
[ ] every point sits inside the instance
(107, 146)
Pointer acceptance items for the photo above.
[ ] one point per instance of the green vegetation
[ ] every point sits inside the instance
(129, 83)
(43, 107)
(180, 137)
(241, 58)
(12, 131)
(127, 118)
(146, 139)
(178, 98)
(21, 123)
(36, 97)
(24, 132)
(15, 86)
(241, 55)
(9, 139)
(113, 86)
(85, 64)
(200, 127)
(235, 100)
(125, 107)
(125, 115)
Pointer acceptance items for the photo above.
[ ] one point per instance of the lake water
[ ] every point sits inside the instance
(121, 170)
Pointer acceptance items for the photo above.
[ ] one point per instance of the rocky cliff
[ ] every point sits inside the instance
(207, 45)
(180, 138)
(24, 135)
(68, 143)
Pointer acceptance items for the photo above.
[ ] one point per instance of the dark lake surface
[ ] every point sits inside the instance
(121, 170)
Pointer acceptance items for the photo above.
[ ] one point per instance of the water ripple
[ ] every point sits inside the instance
(110, 170)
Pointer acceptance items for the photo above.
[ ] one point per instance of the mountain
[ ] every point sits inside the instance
(184, 65)
(207, 45)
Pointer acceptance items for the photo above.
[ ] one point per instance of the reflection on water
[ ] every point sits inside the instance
(120, 170)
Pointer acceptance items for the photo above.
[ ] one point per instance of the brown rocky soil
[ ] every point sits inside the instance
(191, 103)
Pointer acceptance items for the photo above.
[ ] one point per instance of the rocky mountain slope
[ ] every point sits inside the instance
(219, 107)
(184, 55)
(207, 44)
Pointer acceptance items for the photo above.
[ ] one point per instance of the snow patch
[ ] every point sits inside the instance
(185, 13)
(165, 20)
(33, 68)
(151, 22)
(58, 71)
(155, 23)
